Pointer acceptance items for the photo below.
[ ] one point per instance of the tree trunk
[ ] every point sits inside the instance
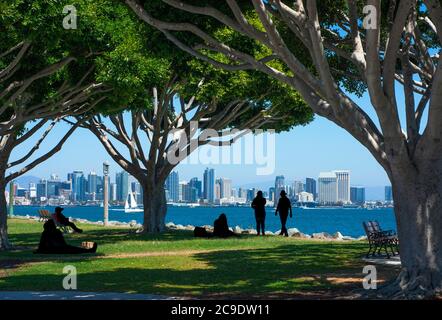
(4, 241)
(417, 192)
(155, 208)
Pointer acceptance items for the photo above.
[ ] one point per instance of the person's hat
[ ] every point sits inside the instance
(283, 193)
(59, 209)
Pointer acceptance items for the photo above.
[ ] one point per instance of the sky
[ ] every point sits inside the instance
(304, 151)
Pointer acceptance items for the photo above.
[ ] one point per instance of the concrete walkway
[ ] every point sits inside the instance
(77, 295)
(382, 260)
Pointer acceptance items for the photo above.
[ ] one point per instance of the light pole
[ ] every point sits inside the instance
(106, 193)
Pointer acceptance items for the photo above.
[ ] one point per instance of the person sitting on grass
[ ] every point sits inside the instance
(61, 219)
(52, 241)
(221, 228)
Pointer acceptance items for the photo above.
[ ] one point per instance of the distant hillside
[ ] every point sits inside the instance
(24, 181)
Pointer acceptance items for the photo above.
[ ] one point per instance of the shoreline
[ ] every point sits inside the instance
(293, 232)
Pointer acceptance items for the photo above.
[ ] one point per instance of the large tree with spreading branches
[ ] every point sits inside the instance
(327, 51)
(50, 74)
(190, 103)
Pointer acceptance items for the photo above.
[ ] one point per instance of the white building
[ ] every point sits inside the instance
(327, 188)
(305, 197)
(343, 179)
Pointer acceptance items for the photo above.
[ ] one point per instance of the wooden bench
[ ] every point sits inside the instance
(62, 227)
(45, 215)
(379, 239)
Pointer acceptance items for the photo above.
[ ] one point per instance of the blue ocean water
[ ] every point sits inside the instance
(347, 221)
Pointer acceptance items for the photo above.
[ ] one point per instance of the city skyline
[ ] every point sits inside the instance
(86, 187)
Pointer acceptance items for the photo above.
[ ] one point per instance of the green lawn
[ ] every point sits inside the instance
(175, 263)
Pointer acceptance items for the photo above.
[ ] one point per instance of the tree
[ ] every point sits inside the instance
(170, 136)
(49, 73)
(347, 46)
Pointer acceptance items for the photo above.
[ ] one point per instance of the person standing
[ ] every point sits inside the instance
(260, 212)
(283, 207)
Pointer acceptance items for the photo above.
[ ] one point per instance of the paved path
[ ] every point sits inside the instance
(77, 295)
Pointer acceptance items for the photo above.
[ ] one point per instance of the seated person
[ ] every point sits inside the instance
(221, 228)
(61, 219)
(52, 241)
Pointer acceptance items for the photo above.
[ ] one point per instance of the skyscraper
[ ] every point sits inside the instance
(173, 186)
(42, 191)
(343, 180)
(225, 187)
(122, 181)
(327, 188)
(279, 185)
(92, 185)
(388, 194)
(310, 186)
(195, 183)
(209, 185)
(357, 195)
(78, 182)
(298, 187)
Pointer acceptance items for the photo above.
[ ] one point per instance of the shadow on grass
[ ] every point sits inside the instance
(282, 270)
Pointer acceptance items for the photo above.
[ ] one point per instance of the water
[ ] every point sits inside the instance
(347, 221)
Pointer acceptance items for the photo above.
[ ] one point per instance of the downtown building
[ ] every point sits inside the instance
(334, 187)
(310, 186)
(122, 185)
(173, 187)
(209, 185)
(279, 186)
(357, 195)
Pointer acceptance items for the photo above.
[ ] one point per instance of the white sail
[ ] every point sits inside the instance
(131, 205)
(133, 202)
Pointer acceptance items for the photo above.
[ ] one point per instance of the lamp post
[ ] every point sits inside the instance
(106, 193)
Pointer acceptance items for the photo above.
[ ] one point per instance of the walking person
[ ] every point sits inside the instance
(260, 212)
(283, 207)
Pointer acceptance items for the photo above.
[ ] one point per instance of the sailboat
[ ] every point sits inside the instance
(131, 205)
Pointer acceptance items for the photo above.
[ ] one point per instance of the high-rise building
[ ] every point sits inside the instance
(113, 192)
(42, 190)
(279, 185)
(251, 194)
(92, 185)
(217, 189)
(122, 181)
(327, 188)
(209, 185)
(195, 183)
(298, 186)
(272, 193)
(78, 182)
(225, 187)
(310, 186)
(343, 180)
(357, 195)
(173, 186)
(388, 194)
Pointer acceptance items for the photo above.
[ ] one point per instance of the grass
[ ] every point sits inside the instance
(175, 263)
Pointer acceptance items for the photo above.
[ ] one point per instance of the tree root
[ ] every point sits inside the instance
(410, 286)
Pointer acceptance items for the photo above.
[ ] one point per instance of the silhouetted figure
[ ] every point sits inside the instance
(260, 212)
(61, 219)
(283, 208)
(52, 241)
(201, 232)
(221, 228)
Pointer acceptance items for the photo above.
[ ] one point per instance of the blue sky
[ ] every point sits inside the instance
(301, 152)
